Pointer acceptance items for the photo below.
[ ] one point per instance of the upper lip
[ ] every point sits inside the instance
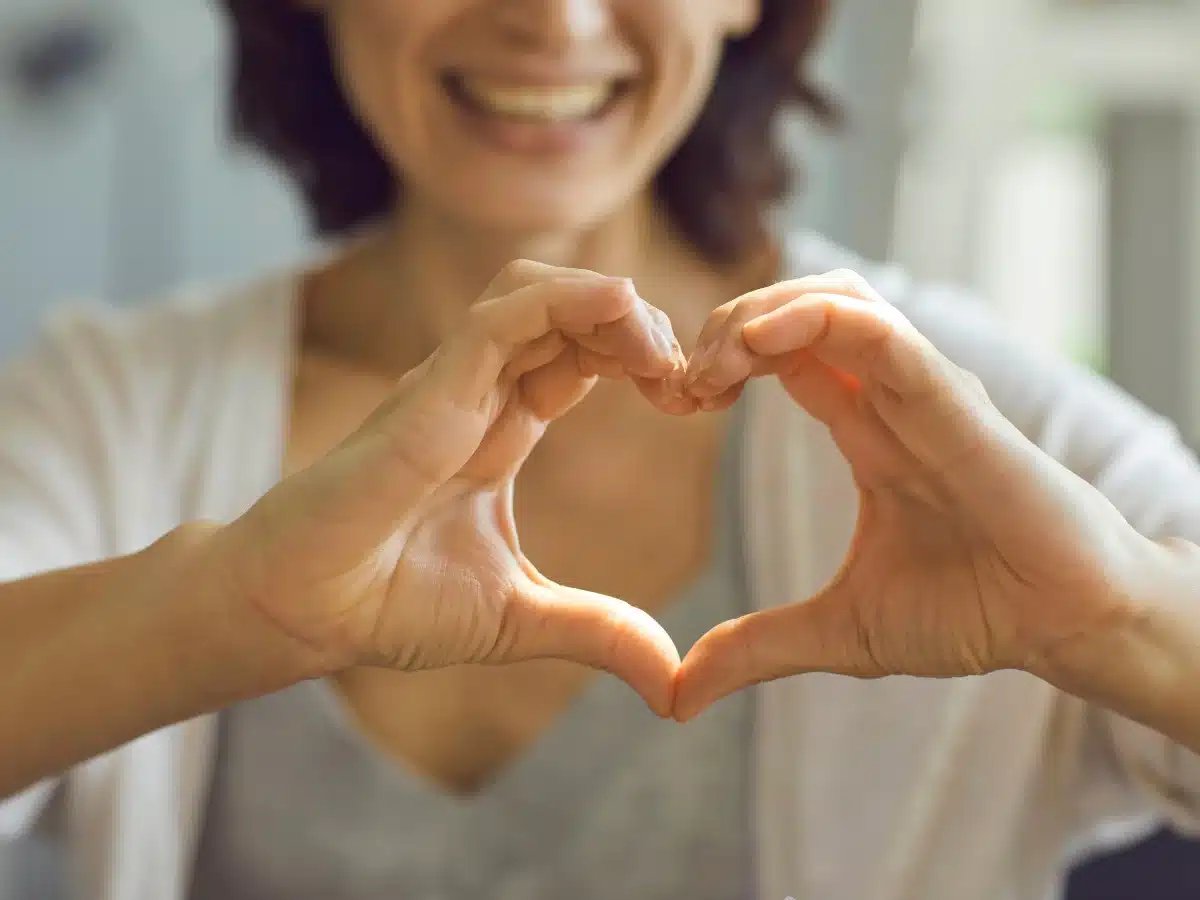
(535, 75)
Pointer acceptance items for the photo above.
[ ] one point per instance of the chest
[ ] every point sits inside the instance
(608, 801)
(613, 500)
(855, 784)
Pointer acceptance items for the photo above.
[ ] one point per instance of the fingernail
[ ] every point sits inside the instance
(701, 359)
(677, 380)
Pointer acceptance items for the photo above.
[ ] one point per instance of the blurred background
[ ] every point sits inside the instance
(1046, 152)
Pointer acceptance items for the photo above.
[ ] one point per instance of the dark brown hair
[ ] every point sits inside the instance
(718, 186)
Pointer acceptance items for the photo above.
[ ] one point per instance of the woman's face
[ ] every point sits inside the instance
(529, 115)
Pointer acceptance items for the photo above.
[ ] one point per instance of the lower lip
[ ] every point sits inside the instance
(531, 138)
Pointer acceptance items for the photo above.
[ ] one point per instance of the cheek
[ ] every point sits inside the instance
(684, 48)
(370, 42)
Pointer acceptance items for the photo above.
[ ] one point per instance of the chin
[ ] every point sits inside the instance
(547, 210)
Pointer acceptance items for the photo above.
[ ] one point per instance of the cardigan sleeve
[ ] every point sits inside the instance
(63, 411)
(1136, 458)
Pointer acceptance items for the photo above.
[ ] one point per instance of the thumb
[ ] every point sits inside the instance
(549, 620)
(816, 635)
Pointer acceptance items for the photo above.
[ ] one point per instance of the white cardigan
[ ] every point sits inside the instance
(120, 425)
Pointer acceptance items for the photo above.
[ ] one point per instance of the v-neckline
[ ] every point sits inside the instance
(598, 693)
(399, 770)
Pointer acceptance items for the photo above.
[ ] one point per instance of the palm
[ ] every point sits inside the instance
(902, 566)
(944, 573)
(463, 551)
(944, 576)
(400, 548)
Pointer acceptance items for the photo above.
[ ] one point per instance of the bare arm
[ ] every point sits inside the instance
(397, 549)
(95, 656)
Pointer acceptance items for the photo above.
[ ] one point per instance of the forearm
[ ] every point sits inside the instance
(93, 657)
(1148, 669)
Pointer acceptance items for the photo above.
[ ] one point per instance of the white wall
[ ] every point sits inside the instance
(126, 187)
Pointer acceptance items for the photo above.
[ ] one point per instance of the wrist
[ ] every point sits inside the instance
(1146, 664)
(211, 618)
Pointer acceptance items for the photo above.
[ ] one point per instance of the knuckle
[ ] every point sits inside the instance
(727, 309)
(480, 317)
(875, 350)
(974, 384)
(412, 455)
(524, 268)
(483, 330)
(517, 274)
(855, 280)
(845, 274)
(719, 320)
(745, 650)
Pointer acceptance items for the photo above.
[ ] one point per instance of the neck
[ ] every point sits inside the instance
(457, 259)
(440, 265)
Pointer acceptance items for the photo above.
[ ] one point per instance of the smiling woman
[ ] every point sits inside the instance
(718, 179)
(307, 584)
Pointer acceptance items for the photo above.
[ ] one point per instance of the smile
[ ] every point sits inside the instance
(551, 104)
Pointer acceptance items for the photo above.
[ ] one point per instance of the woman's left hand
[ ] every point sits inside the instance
(974, 551)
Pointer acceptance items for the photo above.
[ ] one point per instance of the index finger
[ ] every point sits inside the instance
(867, 339)
(468, 366)
(521, 273)
(938, 410)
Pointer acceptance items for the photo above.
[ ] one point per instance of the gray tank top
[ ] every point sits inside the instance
(609, 802)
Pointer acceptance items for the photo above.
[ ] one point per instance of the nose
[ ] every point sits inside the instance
(553, 23)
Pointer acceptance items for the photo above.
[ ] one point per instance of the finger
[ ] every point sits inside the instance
(432, 423)
(667, 394)
(721, 357)
(522, 273)
(730, 317)
(871, 341)
(599, 365)
(720, 366)
(724, 400)
(552, 621)
(551, 390)
(834, 399)
(826, 394)
(938, 411)
(639, 341)
(643, 343)
(467, 367)
(555, 386)
(565, 382)
(534, 355)
(712, 332)
(817, 635)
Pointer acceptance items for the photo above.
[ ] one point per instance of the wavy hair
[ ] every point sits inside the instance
(718, 186)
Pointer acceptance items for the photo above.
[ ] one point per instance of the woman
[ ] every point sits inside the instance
(294, 504)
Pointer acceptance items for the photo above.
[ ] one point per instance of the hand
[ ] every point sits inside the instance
(974, 550)
(399, 548)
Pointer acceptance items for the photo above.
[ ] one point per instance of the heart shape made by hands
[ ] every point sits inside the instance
(943, 577)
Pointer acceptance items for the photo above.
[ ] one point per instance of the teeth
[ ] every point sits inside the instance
(551, 104)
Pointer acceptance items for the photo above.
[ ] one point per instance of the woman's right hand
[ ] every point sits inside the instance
(399, 547)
